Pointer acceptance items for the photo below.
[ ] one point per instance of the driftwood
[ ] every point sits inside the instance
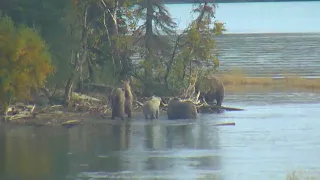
(51, 108)
(70, 123)
(94, 87)
(138, 103)
(202, 106)
(226, 124)
(82, 103)
(19, 111)
(215, 107)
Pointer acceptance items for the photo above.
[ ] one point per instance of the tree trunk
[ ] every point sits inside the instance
(90, 70)
(68, 88)
(80, 58)
(109, 41)
(149, 37)
(69, 85)
(84, 45)
(169, 67)
(111, 26)
(200, 17)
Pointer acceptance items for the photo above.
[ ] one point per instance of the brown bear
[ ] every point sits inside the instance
(213, 91)
(128, 98)
(151, 108)
(117, 103)
(178, 109)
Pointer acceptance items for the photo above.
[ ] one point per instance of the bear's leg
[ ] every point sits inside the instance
(219, 100)
(146, 116)
(128, 108)
(113, 116)
(153, 115)
(129, 113)
(122, 117)
(157, 114)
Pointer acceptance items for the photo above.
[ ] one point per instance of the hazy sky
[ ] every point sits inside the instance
(259, 17)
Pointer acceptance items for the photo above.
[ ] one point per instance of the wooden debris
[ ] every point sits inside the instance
(226, 124)
(190, 95)
(139, 103)
(70, 123)
(19, 111)
(51, 108)
(215, 107)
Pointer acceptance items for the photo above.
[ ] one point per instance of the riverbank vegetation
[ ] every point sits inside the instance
(303, 175)
(238, 81)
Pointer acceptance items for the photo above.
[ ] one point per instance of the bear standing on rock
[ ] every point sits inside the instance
(178, 109)
(117, 103)
(128, 98)
(151, 108)
(214, 90)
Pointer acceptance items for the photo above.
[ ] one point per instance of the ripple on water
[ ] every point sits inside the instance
(146, 175)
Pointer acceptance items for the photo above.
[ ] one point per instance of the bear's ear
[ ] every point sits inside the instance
(125, 81)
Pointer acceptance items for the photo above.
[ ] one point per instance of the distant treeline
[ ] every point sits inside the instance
(227, 1)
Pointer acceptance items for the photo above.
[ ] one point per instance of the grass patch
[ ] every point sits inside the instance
(303, 175)
(237, 80)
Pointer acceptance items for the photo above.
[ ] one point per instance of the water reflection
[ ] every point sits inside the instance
(93, 147)
(154, 135)
(33, 153)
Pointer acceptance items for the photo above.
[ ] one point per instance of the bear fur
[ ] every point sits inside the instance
(215, 90)
(151, 108)
(128, 98)
(117, 103)
(178, 109)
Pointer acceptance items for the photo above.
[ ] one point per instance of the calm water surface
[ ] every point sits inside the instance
(278, 133)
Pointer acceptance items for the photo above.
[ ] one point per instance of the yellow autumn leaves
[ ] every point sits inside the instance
(24, 60)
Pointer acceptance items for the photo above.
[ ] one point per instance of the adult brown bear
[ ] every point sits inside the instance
(178, 109)
(128, 98)
(117, 103)
(211, 89)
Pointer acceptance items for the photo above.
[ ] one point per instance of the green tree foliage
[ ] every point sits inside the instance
(196, 48)
(155, 31)
(49, 17)
(96, 40)
(109, 46)
(24, 60)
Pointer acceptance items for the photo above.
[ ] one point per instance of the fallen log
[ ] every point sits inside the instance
(19, 116)
(78, 96)
(19, 111)
(215, 107)
(70, 123)
(139, 103)
(206, 108)
(226, 124)
(51, 108)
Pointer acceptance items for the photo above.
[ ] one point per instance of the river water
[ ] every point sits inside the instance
(279, 132)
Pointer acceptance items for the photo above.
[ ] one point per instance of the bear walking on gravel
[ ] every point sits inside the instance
(128, 98)
(178, 109)
(211, 89)
(151, 108)
(118, 103)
